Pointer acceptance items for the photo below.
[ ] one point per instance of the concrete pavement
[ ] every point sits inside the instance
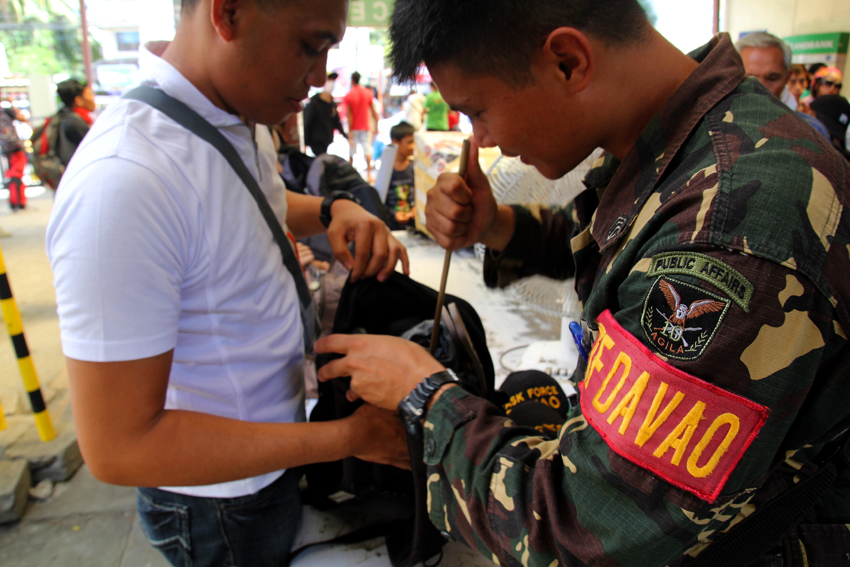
(31, 280)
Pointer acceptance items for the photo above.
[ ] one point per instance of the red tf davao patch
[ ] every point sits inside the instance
(687, 431)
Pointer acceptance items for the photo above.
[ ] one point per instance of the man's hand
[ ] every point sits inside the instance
(376, 250)
(379, 437)
(461, 211)
(305, 254)
(383, 369)
(403, 217)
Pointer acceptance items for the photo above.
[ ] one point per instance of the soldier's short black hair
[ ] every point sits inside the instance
(68, 90)
(401, 130)
(499, 37)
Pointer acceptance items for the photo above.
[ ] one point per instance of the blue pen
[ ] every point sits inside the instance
(578, 337)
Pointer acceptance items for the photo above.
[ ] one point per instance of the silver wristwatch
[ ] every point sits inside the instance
(412, 408)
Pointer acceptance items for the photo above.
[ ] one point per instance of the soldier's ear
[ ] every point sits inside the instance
(569, 53)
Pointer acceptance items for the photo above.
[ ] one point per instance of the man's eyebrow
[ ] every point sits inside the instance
(460, 108)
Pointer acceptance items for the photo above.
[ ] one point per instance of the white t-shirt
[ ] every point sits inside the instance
(156, 245)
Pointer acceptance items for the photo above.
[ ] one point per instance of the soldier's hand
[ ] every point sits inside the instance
(461, 211)
(383, 369)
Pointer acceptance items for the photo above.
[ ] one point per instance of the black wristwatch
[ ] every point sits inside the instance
(325, 214)
(412, 408)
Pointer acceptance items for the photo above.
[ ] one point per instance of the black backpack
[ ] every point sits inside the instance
(396, 497)
(46, 159)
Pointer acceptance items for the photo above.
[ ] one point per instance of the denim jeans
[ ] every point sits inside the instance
(250, 531)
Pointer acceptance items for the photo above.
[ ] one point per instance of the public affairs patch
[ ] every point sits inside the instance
(707, 268)
(679, 319)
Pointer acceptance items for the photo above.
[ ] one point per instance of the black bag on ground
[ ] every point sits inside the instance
(396, 497)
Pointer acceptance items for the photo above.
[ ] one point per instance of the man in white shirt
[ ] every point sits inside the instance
(180, 323)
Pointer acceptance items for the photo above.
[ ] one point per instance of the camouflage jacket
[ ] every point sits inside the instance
(713, 265)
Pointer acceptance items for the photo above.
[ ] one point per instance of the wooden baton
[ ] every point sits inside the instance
(464, 158)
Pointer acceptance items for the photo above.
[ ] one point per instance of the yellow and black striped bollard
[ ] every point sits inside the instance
(16, 332)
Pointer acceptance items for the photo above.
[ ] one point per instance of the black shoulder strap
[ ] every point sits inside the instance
(766, 527)
(196, 124)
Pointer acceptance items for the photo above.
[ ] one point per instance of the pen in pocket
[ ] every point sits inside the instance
(578, 337)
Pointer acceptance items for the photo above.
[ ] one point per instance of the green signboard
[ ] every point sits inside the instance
(370, 13)
(819, 43)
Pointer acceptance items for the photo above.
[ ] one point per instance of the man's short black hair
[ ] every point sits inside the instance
(401, 130)
(499, 37)
(68, 90)
(355, 78)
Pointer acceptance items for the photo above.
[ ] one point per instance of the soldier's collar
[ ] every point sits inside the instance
(719, 72)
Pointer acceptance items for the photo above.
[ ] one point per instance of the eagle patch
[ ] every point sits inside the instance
(679, 319)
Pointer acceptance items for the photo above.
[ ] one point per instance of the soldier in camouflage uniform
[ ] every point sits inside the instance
(711, 254)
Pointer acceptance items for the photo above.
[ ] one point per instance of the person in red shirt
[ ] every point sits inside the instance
(78, 104)
(358, 104)
(13, 149)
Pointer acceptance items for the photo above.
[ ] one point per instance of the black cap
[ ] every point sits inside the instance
(536, 387)
(333, 76)
(542, 418)
(834, 112)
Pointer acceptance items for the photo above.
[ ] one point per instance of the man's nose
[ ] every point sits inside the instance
(318, 74)
(482, 137)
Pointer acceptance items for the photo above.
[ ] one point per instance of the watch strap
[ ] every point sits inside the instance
(412, 407)
(325, 211)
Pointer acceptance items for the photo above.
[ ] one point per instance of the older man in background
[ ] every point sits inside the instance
(768, 59)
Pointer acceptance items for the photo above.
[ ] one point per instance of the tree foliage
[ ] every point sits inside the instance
(42, 37)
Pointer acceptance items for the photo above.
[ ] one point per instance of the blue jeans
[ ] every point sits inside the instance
(250, 531)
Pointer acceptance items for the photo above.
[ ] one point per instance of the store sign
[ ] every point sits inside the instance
(820, 43)
(370, 13)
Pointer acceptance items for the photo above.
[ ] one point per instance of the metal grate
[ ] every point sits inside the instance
(514, 182)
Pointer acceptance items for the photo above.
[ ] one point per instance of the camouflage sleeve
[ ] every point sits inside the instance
(540, 246)
(668, 447)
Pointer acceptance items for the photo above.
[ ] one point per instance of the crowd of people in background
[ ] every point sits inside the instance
(73, 120)
(355, 118)
(814, 92)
